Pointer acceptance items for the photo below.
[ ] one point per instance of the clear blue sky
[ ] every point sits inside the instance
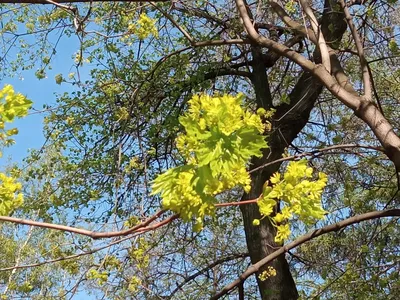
(40, 92)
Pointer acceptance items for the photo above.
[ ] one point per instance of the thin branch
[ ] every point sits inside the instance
(56, 3)
(18, 259)
(323, 48)
(193, 11)
(378, 100)
(305, 238)
(140, 228)
(169, 17)
(92, 234)
(208, 267)
(316, 152)
(69, 256)
(360, 49)
(236, 203)
(221, 42)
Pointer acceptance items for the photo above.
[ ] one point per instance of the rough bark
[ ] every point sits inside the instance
(260, 239)
(289, 121)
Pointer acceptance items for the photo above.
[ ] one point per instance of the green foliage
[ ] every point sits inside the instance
(10, 194)
(12, 105)
(220, 137)
(300, 196)
(139, 254)
(114, 131)
(393, 47)
(59, 78)
(101, 277)
(144, 27)
(290, 6)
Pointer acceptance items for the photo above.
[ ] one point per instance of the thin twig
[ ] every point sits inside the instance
(360, 49)
(169, 17)
(315, 152)
(301, 240)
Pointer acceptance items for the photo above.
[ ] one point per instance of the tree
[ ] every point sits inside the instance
(115, 132)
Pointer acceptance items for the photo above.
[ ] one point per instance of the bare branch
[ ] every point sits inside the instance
(169, 17)
(94, 235)
(301, 240)
(316, 70)
(221, 42)
(57, 3)
(72, 256)
(317, 152)
(210, 266)
(295, 26)
(140, 228)
(362, 108)
(360, 49)
(326, 61)
(336, 68)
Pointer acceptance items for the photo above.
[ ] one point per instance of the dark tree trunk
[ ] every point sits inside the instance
(289, 120)
(260, 239)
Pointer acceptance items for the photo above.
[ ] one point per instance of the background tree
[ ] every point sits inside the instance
(135, 67)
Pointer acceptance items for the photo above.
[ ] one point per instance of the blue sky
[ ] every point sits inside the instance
(40, 92)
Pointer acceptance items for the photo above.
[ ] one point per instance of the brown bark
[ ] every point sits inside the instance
(362, 106)
(289, 121)
(260, 239)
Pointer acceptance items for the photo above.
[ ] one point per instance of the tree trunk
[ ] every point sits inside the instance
(289, 120)
(260, 239)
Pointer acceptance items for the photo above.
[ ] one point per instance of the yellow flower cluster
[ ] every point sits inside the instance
(269, 272)
(144, 27)
(134, 284)
(224, 112)
(140, 254)
(184, 198)
(10, 196)
(94, 274)
(220, 137)
(12, 105)
(300, 195)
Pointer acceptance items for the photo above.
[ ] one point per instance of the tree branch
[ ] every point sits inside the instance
(362, 108)
(72, 256)
(210, 266)
(140, 228)
(337, 70)
(316, 152)
(317, 31)
(169, 17)
(92, 234)
(360, 49)
(301, 240)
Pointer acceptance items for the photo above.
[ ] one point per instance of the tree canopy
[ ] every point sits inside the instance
(202, 150)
